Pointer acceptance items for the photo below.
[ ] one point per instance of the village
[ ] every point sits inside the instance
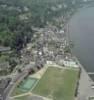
(50, 47)
(46, 68)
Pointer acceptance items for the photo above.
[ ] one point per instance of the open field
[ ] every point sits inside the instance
(58, 84)
(25, 86)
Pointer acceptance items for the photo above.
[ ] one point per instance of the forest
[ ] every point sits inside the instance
(18, 16)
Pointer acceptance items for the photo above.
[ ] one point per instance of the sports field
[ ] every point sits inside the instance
(58, 84)
(25, 86)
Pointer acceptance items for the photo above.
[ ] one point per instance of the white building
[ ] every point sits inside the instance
(70, 64)
(49, 63)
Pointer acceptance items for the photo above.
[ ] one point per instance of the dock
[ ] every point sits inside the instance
(90, 73)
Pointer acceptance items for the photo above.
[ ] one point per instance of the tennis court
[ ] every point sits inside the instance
(27, 84)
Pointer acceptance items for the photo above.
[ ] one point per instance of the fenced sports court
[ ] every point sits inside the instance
(27, 84)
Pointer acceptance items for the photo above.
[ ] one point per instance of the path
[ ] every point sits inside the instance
(21, 95)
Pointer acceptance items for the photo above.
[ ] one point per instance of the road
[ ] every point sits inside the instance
(12, 84)
(16, 78)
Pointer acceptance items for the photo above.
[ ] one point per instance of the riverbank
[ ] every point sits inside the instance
(85, 84)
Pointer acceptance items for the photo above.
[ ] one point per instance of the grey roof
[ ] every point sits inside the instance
(4, 48)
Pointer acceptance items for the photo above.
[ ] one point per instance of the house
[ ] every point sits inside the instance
(49, 63)
(4, 49)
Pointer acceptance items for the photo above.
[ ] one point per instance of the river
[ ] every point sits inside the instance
(81, 30)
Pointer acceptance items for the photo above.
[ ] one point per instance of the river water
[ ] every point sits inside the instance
(81, 30)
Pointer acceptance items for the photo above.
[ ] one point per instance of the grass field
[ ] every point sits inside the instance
(25, 86)
(58, 84)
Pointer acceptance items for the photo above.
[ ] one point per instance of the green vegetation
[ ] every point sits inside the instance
(4, 58)
(58, 84)
(14, 32)
(91, 98)
(8, 62)
(17, 91)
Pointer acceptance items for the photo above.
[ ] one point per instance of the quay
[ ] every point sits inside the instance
(85, 84)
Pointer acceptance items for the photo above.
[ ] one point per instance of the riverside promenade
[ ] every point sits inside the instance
(85, 85)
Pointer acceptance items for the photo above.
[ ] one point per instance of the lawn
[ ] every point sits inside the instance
(17, 91)
(58, 84)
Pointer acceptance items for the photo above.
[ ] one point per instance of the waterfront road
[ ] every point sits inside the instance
(85, 84)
